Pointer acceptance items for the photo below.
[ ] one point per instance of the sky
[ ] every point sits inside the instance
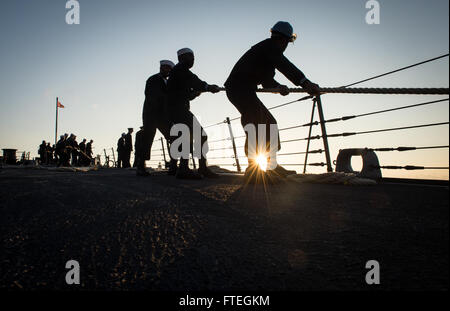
(98, 70)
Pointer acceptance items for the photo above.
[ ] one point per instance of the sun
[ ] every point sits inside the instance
(261, 160)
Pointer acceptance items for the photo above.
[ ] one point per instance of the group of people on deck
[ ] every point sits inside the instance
(169, 92)
(66, 152)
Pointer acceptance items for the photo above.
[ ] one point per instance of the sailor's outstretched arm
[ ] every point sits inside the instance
(296, 76)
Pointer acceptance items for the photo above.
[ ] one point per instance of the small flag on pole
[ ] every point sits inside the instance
(59, 104)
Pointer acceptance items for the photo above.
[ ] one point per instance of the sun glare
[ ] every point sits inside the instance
(261, 159)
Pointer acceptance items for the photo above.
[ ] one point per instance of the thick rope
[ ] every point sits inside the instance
(360, 90)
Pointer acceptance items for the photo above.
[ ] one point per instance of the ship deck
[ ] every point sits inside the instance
(160, 233)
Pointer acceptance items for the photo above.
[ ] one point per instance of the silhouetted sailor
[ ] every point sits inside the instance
(43, 152)
(73, 145)
(89, 151)
(140, 152)
(155, 115)
(62, 152)
(82, 156)
(257, 66)
(128, 148)
(120, 150)
(183, 86)
(49, 152)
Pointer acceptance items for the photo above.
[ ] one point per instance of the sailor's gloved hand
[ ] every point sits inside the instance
(213, 88)
(312, 88)
(284, 90)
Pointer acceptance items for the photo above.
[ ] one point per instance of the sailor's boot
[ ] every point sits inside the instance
(172, 167)
(282, 172)
(253, 173)
(205, 171)
(184, 172)
(140, 168)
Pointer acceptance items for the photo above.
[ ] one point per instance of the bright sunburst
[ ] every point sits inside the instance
(261, 159)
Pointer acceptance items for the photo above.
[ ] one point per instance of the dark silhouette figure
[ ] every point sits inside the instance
(128, 148)
(72, 144)
(43, 152)
(82, 156)
(140, 152)
(62, 151)
(121, 151)
(257, 66)
(89, 151)
(49, 154)
(183, 86)
(155, 115)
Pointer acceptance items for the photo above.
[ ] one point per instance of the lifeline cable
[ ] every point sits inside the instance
(345, 118)
(401, 149)
(412, 167)
(397, 70)
(368, 132)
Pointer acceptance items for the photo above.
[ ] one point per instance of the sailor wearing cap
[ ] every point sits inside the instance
(184, 86)
(60, 150)
(72, 143)
(257, 67)
(139, 152)
(89, 151)
(168, 63)
(155, 116)
(128, 148)
(121, 150)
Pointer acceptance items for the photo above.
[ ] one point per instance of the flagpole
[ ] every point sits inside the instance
(56, 124)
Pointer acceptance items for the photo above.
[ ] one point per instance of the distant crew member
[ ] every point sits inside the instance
(72, 142)
(82, 157)
(49, 150)
(155, 115)
(120, 151)
(89, 151)
(128, 148)
(62, 152)
(257, 66)
(140, 152)
(183, 86)
(43, 152)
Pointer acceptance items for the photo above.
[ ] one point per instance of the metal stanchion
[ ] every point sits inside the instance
(106, 158)
(324, 134)
(193, 162)
(163, 150)
(114, 156)
(309, 135)
(234, 145)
